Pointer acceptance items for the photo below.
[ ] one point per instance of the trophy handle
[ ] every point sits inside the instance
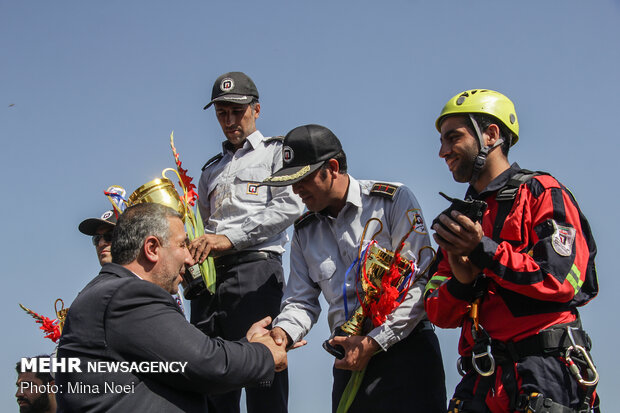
(359, 250)
(61, 314)
(431, 261)
(188, 210)
(163, 173)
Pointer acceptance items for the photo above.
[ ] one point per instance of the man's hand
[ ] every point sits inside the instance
(282, 338)
(259, 327)
(463, 237)
(204, 244)
(463, 269)
(357, 351)
(277, 351)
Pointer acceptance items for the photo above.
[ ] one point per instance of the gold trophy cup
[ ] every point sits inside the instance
(160, 191)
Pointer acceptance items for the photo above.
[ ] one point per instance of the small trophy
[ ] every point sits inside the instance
(385, 278)
(377, 263)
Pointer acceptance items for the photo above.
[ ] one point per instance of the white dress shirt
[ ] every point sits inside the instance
(232, 203)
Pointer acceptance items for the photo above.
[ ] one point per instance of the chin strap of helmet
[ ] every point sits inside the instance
(481, 158)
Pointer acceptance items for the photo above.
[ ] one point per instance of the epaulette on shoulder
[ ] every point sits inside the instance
(383, 189)
(212, 161)
(305, 219)
(279, 138)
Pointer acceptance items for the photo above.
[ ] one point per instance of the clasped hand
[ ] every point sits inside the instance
(272, 339)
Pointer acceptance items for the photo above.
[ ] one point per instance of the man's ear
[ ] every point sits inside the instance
(151, 248)
(491, 134)
(334, 166)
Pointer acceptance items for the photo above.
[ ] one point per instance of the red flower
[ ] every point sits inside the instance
(190, 195)
(388, 293)
(48, 325)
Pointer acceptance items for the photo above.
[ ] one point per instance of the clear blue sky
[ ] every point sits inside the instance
(90, 92)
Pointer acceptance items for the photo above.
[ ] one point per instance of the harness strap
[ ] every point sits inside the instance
(587, 401)
(552, 341)
(466, 406)
(505, 197)
(537, 403)
(478, 403)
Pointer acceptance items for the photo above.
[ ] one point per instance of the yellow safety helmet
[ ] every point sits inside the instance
(483, 101)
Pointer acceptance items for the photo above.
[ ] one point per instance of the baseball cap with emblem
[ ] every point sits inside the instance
(234, 87)
(305, 149)
(89, 226)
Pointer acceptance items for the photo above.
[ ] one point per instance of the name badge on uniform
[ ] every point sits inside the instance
(253, 188)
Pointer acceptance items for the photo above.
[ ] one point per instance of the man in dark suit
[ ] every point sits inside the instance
(127, 316)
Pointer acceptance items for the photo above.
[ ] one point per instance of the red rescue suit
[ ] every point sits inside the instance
(537, 257)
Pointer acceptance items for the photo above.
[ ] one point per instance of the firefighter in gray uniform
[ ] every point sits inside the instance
(245, 226)
(401, 356)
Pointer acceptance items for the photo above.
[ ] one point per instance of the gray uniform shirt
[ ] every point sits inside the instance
(323, 249)
(232, 202)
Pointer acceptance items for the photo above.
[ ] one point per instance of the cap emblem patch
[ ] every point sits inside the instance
(227, 84)
(287, 154)
(106, 215)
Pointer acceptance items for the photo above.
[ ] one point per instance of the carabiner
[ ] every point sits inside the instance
(574, 369)
(487, 353)
(459, 367)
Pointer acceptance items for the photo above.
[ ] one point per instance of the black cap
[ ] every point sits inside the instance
(235, 87)
(305, 149)
(89, 226)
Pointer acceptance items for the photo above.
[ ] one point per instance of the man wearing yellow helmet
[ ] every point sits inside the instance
(513, 279)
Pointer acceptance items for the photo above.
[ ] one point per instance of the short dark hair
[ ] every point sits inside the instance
(44, 377)
(484, 121)
(341, 157)
(136, 224)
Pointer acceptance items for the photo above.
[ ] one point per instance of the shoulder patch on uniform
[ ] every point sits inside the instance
(275, 138)
(563, 239)
(212, 161)
(384, 190)
(416, 221)
(305, 219)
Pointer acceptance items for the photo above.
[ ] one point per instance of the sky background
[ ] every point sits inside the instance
(90, 91)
